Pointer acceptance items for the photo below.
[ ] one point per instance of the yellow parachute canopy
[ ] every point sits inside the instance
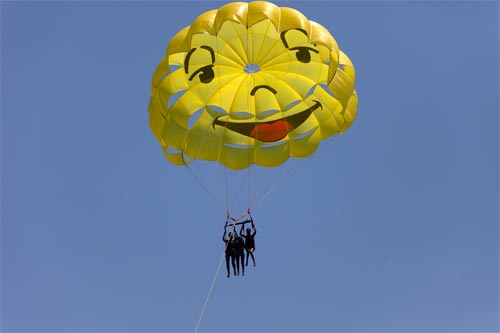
(250, 83)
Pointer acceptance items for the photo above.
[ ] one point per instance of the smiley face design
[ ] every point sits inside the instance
(251, 83)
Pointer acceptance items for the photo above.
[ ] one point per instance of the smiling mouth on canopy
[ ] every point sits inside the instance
(269, 131)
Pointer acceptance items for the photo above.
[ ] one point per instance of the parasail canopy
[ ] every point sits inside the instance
(250, 84)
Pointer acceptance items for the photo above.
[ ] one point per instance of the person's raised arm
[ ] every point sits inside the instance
(224, 239)
(250, 219)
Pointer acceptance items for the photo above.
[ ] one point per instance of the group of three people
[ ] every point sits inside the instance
(236, 245)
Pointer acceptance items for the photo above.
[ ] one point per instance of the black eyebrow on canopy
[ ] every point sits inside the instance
(190, 52)
(186, 60)
(283, 39)
(212, 53)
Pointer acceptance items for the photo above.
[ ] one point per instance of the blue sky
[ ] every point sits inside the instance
(392, 227)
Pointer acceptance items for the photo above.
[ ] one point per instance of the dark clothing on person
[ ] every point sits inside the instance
(249, 241)
(230, 252)
(249, 236)
(233, 263)
(239, 253)
(230, 246)
(239, 245)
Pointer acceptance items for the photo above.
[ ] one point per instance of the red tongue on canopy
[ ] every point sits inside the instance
(271, 132)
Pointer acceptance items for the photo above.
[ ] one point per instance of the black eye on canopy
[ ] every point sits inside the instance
(206, 73)
(190, 53)
(303, 52)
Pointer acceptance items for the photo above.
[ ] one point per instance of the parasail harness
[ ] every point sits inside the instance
(237, 221)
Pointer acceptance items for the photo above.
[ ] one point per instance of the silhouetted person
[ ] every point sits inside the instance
(229, 250)
(249, 240)
(239, 252)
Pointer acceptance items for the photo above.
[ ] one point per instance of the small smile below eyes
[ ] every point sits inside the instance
(270, 131)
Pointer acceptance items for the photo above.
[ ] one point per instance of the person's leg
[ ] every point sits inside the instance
(242, 263)
(238, 257)
(253, 258)
(233, 261)
(227, 264)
